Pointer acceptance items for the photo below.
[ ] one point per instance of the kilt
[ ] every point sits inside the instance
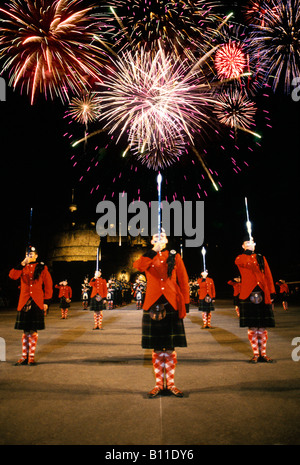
(236, 300)
(206, 306)
(97, 306)
(167, 333)
(31, 320)
(256, 315)
(283, 297)
(63, 303)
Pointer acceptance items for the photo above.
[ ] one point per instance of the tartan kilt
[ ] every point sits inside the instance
(97, 306)
(31, 320)
(167, 333)
(206, 306)
(256, 315)
(63, 303)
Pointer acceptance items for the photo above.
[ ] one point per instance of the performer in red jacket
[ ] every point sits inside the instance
(207, 294)
(35, 296)
(65, 296)
(165, 306)
(283, 293)
(256, 295)
(236, 284)
(98, 298)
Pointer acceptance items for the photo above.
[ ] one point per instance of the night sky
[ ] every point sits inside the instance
(36, 171)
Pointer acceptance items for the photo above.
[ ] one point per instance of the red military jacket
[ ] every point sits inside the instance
(283, 287)
(206, 287)
(40, 289)
(99, 286)
(175, 288)
(236, 287)
(252, 276)
(64, 291)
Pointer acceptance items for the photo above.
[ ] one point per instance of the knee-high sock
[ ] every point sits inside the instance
(170, 364)
(262, 340)
(25, 346)
(100, 318)
(158, 361)
(253, 338)
(95, 319)
(204, 318)
(32, 346)
(208, 319)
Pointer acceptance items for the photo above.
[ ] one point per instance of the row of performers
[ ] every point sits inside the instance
(165, 305)
(101, 295)
(118, 292)
(203, 289)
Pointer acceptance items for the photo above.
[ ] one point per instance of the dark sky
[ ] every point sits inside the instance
(36, 171)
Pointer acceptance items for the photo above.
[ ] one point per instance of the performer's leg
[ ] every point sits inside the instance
(170, 364)
(100, 318)
(262, 339)
(32, 346)
(208, 319)
(66, 313)
(204, 319)
(253, 338)
(62, 314)
(25, 346)
(95, 320)
(158, 362)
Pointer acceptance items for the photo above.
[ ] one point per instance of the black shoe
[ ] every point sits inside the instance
(21, 362)
(265, 359)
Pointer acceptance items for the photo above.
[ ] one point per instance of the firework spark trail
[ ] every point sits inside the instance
(178, 24)
(47, 46)
(277, 42)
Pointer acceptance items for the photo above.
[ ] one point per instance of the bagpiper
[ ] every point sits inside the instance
(165, 306)
(85, 293)
(34, 300)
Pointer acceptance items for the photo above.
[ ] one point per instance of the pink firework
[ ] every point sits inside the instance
(230, 61)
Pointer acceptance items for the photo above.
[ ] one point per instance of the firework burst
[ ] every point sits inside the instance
(47, 46)
(159, 103)
(85, 109)
(277, 42)
(230, 61)
(235, 110)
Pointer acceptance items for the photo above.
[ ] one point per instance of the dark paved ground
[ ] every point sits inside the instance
(89, 387)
